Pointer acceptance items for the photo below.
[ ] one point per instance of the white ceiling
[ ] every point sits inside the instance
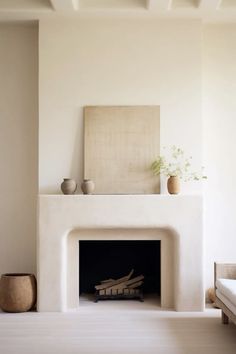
(206, 10)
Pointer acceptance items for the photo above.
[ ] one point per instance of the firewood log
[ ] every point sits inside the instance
(126, 284)
(107, 280)
(134, 280)
(114, 282)
(135, 285)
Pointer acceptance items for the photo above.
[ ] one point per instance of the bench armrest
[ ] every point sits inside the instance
(225, 270)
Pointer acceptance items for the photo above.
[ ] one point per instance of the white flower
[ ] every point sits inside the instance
(176, 165)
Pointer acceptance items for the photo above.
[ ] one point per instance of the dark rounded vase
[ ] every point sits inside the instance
(87, 186)
(68, 186)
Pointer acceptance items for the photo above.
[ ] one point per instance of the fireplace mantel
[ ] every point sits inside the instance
(60, 215)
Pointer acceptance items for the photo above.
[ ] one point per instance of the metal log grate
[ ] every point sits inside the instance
(119, 294)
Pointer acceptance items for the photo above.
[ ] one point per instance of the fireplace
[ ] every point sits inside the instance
(176, 221)
(99, 260)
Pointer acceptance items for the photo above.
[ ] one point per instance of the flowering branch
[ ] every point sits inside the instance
(176, 165)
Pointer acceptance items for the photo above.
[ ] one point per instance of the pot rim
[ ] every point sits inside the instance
(17, 275)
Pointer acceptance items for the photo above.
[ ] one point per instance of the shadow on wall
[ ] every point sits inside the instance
(75, 164)
(77, 168)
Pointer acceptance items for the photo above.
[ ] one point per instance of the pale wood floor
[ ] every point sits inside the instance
(115, 328)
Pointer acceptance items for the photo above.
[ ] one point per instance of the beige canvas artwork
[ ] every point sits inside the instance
(120, 143)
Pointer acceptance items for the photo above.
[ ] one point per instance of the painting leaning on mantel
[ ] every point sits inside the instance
(120, 142)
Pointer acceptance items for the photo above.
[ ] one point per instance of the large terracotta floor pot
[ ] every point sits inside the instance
(17, 292)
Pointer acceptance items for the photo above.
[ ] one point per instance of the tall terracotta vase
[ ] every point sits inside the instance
(17, 292)
(173, 185)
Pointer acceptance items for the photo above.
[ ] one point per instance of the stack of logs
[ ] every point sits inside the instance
(124, 287)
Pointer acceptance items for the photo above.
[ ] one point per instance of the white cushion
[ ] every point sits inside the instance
(227, 287)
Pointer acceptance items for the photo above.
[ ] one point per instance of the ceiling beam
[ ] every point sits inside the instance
(65, 5)
(209, 4)
(159, 5)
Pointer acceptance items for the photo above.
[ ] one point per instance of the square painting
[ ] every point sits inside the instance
(120, 143)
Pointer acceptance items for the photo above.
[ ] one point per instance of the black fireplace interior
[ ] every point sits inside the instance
(99, 260)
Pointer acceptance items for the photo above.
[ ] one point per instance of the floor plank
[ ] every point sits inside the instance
(116, 327)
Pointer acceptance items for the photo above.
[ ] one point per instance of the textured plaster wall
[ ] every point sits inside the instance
(219, 112)
(18, 147)
(115, 62)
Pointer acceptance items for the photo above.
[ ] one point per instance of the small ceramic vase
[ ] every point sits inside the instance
(87, 186)
(173, 185)
(68, 186)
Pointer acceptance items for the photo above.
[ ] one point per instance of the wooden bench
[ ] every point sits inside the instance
(225, 290)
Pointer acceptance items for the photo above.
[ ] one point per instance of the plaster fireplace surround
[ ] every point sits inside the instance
(177, 221)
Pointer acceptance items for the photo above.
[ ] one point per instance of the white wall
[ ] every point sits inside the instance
(219, 108)
(115, 62)
(18, 147)
(119, 62)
